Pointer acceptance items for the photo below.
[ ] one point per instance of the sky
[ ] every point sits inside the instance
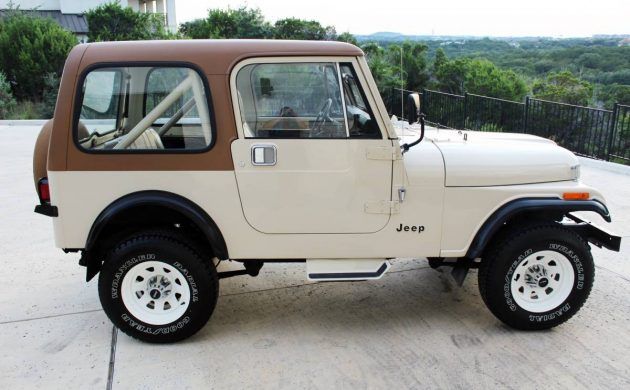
(556, 18)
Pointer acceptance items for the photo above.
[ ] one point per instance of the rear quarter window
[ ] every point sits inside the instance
(151, 109)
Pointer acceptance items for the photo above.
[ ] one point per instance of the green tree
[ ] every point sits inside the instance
(112, 22)
(563, 87)
(49, 95)
(196, 29)
(30, 49)
(243, 22)
(414, 65)
(383, 72)
(478, 76)
(614, 93)
(7, 101)
(440, 60)
(312, 30)
(451, 76)
(348, 38)
(484, 78)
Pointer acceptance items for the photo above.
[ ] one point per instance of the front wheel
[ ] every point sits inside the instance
(155, 287)
(538, 277)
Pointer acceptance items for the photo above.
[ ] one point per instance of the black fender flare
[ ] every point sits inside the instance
(518, 206)
(165, 199)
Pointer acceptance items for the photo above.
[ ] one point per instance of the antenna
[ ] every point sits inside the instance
(402, 95)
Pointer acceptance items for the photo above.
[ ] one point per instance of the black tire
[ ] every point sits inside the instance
(499, 265)
(178, 253)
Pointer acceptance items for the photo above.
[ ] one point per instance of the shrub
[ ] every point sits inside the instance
(26, 110)
(49, 97)
(30, 49)
(7, 101)
(112, 22)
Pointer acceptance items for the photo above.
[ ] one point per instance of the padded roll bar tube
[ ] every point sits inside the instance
(155, 113)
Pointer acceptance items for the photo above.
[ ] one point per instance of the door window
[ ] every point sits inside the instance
(304, 100)
(291, 100)
(361, 122)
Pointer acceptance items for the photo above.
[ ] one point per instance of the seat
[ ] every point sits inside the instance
(82, 131)
(149, 139)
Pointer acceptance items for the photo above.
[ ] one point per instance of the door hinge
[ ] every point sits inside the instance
(382, 207)
(390, 153)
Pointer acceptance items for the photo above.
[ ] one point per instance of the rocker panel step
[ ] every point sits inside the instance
(346, 269)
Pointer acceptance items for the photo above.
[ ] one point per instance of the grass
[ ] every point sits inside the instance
(26, 110)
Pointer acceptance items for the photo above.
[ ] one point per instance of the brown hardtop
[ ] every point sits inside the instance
(213, 56)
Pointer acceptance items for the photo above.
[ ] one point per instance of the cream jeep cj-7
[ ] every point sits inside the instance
(165, 159)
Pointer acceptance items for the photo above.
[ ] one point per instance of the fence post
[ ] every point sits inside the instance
(526, 115)
(611, 131)
(423, 103)
(465, 110)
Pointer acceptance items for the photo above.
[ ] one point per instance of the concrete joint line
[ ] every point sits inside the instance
(112, 358)
(51, 316)
(613, 272)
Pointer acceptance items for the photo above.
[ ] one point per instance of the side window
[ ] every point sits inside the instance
(160, 82)
(291, 100)
(361, 122)
(101, 96)
(144, 108)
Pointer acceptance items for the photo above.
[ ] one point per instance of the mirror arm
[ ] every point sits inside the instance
(405, 147)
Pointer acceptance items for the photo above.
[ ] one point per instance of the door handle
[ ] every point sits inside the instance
(264, 154)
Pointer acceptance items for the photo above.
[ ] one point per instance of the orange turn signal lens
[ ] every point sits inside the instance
(576, 196)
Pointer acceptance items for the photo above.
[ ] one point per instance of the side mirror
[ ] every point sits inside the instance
(413, 107)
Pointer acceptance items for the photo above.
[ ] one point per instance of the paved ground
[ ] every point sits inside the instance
(412, 329)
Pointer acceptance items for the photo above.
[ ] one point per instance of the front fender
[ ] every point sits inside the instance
(551, 206)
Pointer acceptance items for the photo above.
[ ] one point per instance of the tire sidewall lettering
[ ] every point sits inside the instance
(578, 268)
(122, 270)
(194, 291)
(148, 329)
(507, 293)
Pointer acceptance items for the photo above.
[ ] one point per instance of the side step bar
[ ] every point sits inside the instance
(346, 269)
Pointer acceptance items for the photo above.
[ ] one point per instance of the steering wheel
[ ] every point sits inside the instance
(322, 117)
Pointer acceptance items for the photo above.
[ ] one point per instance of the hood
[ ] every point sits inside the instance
(474, 159)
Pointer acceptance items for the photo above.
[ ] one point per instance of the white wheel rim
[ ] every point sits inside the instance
(542, 281)
(155, 292)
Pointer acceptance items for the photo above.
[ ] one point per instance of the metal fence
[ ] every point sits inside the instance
(619, 144)
(587, 131)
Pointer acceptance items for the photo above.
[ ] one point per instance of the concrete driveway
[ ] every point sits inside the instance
(412, 329)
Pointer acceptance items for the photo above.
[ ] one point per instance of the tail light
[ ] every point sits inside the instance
(44, 207)
(44, 190)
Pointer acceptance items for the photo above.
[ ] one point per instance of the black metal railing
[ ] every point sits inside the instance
(491, 114)
(583, 130)
(446, 109)
(587, 131)
(619, 140)
(396, 102)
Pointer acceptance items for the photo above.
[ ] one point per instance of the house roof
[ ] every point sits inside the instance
(75, 23)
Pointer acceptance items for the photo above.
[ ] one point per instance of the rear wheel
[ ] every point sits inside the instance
(537, 277)
(155, 287)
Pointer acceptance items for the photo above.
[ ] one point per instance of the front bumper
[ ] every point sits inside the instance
(596, 235)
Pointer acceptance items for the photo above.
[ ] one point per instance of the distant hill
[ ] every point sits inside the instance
(388, 36)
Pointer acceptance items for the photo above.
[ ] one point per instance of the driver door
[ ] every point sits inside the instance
(302, 166)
